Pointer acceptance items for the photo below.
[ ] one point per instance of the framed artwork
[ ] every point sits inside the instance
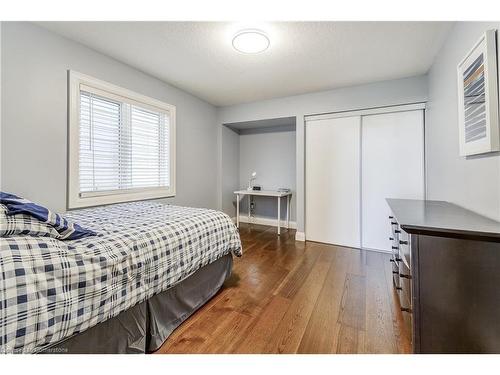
(478, 98)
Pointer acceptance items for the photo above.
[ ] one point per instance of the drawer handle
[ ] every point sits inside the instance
(397, 231)
(391, 239)
(395, 272)
(398, 288)
(391, 217)
(405, 276)
(394, 223)
(394, 247)
(406, 309)
(403, 242)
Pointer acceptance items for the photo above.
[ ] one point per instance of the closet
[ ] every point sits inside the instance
(354, 161)
(332, 180)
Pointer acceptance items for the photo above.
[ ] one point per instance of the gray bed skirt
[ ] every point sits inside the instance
(145, 327)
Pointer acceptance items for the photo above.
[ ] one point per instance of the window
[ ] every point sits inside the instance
(121, 145)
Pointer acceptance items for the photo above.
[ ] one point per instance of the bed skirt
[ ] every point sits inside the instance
(145, 327)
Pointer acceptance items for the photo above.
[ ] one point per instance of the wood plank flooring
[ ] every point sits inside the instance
(294, 297)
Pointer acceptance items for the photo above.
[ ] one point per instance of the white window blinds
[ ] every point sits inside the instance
(124, 145)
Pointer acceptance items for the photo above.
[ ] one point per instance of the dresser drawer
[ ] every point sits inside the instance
(395, 259)
(401, 269)
(394, 229)
(404, 245)
(395, 273)
(405, 295)
(405, 281)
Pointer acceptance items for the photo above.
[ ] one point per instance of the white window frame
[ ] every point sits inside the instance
(88, 199)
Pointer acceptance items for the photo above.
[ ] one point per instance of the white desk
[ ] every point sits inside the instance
(264, 193)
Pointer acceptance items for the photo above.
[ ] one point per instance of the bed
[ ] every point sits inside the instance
(124, 290)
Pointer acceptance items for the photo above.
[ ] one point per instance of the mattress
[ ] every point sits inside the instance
(51, 289)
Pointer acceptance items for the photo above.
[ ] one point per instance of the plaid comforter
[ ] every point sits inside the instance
(51, 289)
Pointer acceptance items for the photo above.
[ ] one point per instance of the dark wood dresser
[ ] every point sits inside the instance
(446, 269)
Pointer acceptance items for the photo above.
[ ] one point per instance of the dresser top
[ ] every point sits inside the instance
(444, 219)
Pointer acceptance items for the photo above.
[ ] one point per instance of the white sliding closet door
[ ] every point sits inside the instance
(392, 167)
(332, 180)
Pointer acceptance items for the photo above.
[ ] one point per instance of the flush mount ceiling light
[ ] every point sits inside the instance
(251, 41)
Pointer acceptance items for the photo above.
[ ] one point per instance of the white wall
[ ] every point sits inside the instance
(1, 106)
(473, 182)
(270, 153)
(408, 90)
(34, 117)
(230, 169)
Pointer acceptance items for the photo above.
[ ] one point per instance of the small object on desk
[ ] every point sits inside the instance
(252, 177)
(265, 193)
(284, 190)
(257, 188)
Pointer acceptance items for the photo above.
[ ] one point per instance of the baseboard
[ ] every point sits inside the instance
(300, 236)
(377, 250)
(265, 221)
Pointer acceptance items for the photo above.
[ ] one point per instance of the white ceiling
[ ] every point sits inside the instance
(304, 56)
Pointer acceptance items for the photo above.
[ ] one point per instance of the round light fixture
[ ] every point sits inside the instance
(251, 41)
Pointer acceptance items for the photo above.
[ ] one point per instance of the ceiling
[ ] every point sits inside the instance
(303, 57)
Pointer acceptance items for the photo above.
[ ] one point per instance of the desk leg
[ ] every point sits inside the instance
(249, 204)
(287, 212)
(237, 210)
(279, 214)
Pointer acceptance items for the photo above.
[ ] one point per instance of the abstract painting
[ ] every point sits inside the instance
(478, 98)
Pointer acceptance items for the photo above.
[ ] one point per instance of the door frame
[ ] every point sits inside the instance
(365, 112)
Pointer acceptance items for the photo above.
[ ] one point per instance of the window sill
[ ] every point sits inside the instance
(103, 198)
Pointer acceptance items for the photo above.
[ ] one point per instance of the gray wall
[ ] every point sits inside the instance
(408, 90)
(1, 104)
(230, 169)
(473, 182)
(34, 117)
(270, 153)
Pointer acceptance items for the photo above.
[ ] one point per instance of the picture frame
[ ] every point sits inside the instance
(478, 98)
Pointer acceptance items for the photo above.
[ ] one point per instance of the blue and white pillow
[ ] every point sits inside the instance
(23, 225)
(62, 228)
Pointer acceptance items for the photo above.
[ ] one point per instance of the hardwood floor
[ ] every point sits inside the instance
(294, 297)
